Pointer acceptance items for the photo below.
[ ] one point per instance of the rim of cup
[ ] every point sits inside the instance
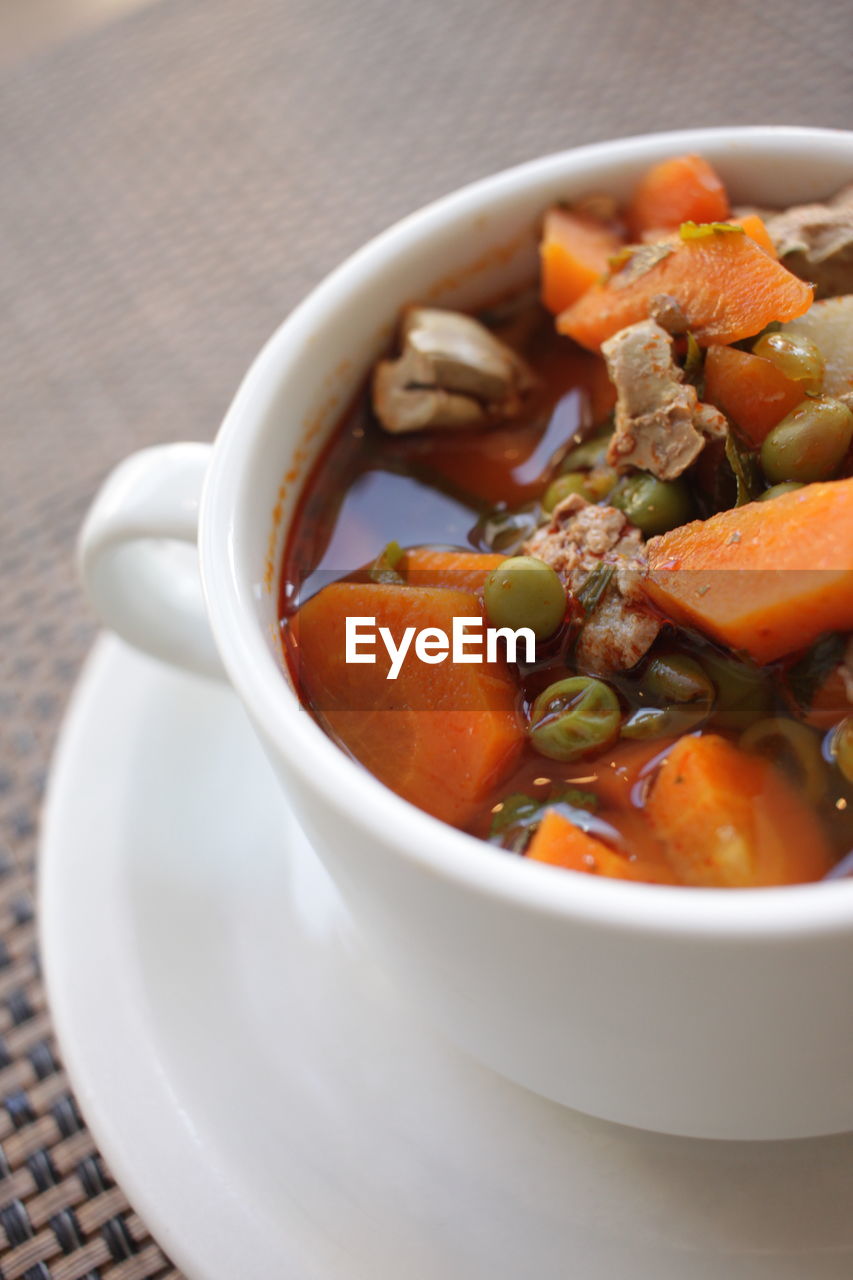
(314, 759)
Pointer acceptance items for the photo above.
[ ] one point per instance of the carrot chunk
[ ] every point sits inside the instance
(441, 736)
(755, 228)
(463, 570)
(574, 253)
(727, 286)
(683, 189)
(560, 843)
(647, 852)
(767, 578)
(752, 391)
(730, 820)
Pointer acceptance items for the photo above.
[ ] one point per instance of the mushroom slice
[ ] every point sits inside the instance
(815, 241)
(402, 408)
(452, 373)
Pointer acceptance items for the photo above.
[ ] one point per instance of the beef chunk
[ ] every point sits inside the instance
(579, 539)
(661, 426)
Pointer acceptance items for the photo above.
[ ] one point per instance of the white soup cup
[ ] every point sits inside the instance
(725, 1014)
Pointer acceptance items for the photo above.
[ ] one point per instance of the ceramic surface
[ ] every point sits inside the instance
(274, 1106)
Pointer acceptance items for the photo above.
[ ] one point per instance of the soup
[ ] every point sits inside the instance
(583, 588)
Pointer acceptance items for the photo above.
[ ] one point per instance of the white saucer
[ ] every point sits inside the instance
(263, 1094)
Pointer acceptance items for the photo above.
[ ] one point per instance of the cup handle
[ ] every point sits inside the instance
(138, 559)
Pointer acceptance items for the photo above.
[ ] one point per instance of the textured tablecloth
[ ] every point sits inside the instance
(169, 187)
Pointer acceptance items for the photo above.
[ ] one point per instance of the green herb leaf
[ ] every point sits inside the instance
(617, 260)
(384, 567)
(634, 261)
(817, 664)
(694, 365)
(702, 230)
(591, 590)
(745, 470)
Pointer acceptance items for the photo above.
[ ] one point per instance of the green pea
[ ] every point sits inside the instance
(562, 488)
(776, 490)
(793, 746)
(574, 718)
(653, 505)
(743, 691)
(600, 482)
(680, 696)
(809, 443)
(675, 677)
(592, 453)
(525, 592)
(842, 748)
(592, 485)
(795, 355)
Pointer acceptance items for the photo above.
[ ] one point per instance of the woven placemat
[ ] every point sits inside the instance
(169, 187)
